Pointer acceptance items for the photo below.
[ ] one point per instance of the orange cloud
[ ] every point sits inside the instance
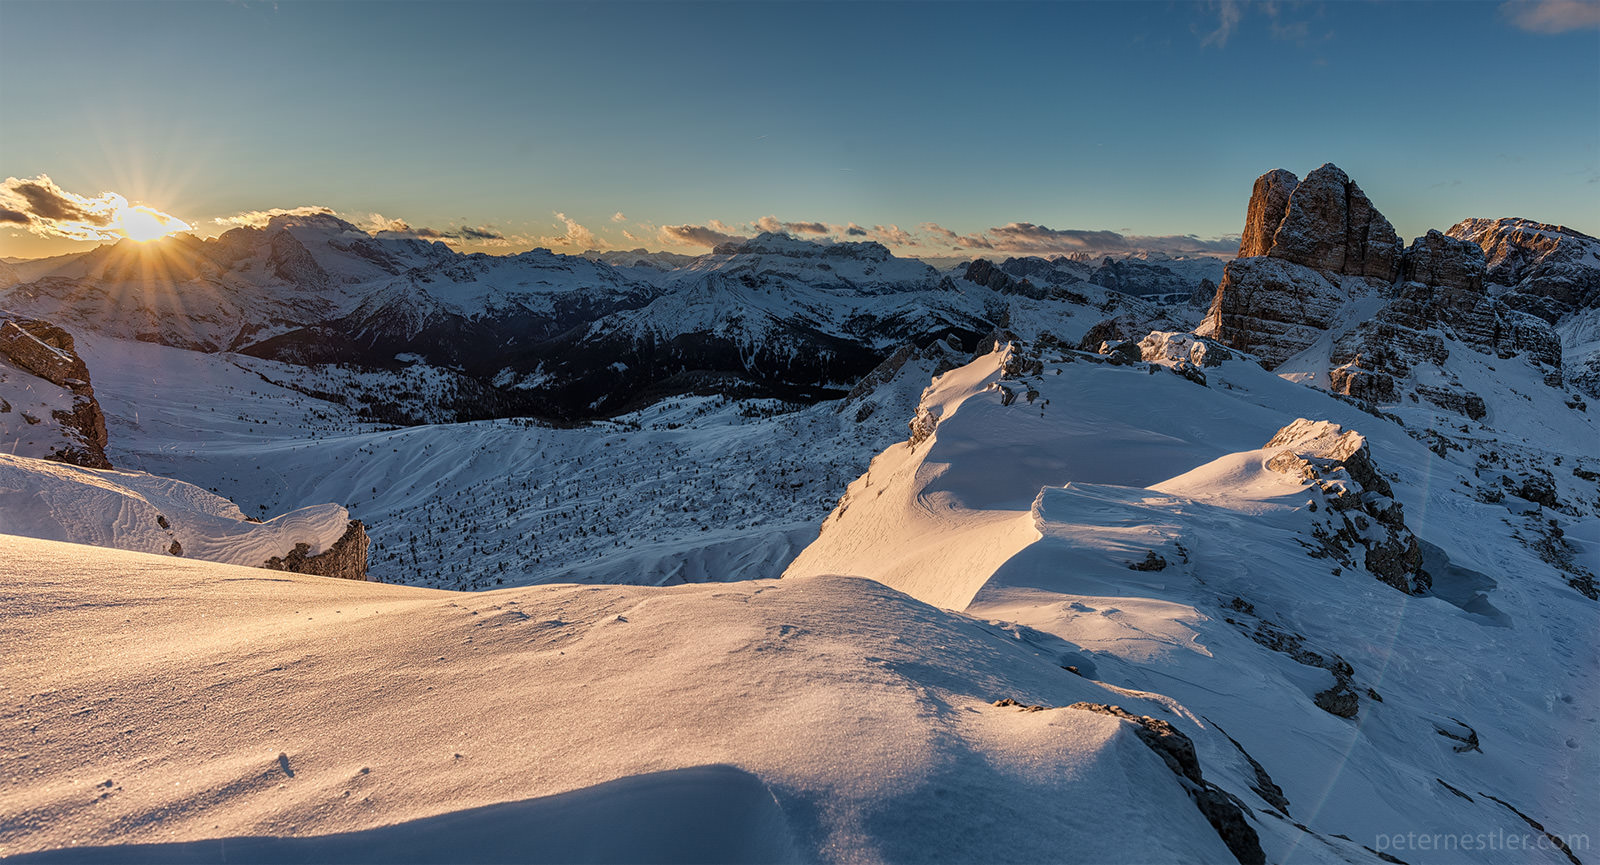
(43, 208)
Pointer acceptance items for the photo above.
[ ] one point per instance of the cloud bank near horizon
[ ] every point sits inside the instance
(43, 208)
(933, 239)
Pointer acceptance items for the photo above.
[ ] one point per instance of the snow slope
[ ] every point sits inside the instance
(232, 713)
(691, 489)
(1036, 492)
(141, 512)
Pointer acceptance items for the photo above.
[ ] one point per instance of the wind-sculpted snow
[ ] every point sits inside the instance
(1135, 515)
(843, 719)
(142, 512)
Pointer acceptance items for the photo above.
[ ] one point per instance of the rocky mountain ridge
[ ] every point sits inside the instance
(565, 338)
(1550, 271)
(1323, 289)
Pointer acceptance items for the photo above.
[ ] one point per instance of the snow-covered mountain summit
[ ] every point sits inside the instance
(562, 337)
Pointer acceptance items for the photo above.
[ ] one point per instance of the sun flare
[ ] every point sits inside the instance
(144, 223)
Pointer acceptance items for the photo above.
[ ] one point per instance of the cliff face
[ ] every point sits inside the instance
(1551, 272)
(346, 559)
(39, 350)
(1308, 247)
(1269, 201)
(1297, 280)
(1440, 294)
(1331, 226)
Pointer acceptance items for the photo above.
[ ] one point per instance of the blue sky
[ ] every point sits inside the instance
(945, 120)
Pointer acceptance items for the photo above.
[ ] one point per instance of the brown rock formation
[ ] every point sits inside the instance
(346, 559)
(1271, 308)
(1300, 240)
(1330, 246)
(1331, 226)
(40, 348)
(1269, 201)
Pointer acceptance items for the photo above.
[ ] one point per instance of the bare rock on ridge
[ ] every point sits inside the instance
(1441, 291)
(1359, 510)
(346, 559)
(41, 349)
(1550, 269)
(1269, 201)
(1330, 225)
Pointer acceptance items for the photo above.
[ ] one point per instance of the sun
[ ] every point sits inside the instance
(145, 223)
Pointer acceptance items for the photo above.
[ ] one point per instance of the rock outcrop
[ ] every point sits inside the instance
(1312, 248)
(346, 559)
(1552, 270)
(1441, 294)
(1269, 201)
(1354, 502)
(983, 272)
(43, 350)
(1223, 810)
(1330, 225)
(1272, 308)
(1125, 327)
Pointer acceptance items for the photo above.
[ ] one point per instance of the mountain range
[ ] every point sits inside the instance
(1285, 558)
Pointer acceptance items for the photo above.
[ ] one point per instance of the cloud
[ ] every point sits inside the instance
(1229, 14)
(382, 226)
(481, 232)
(47, 210)
(618, 217)
(772, 224)
(577, 237)
(1552, 16)
(260, 218)
(1026, 238)
(939, 231)
(892, 236)
(711, 235)
(853, 230)
(377, 223)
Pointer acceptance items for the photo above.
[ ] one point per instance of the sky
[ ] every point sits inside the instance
(938, 129)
